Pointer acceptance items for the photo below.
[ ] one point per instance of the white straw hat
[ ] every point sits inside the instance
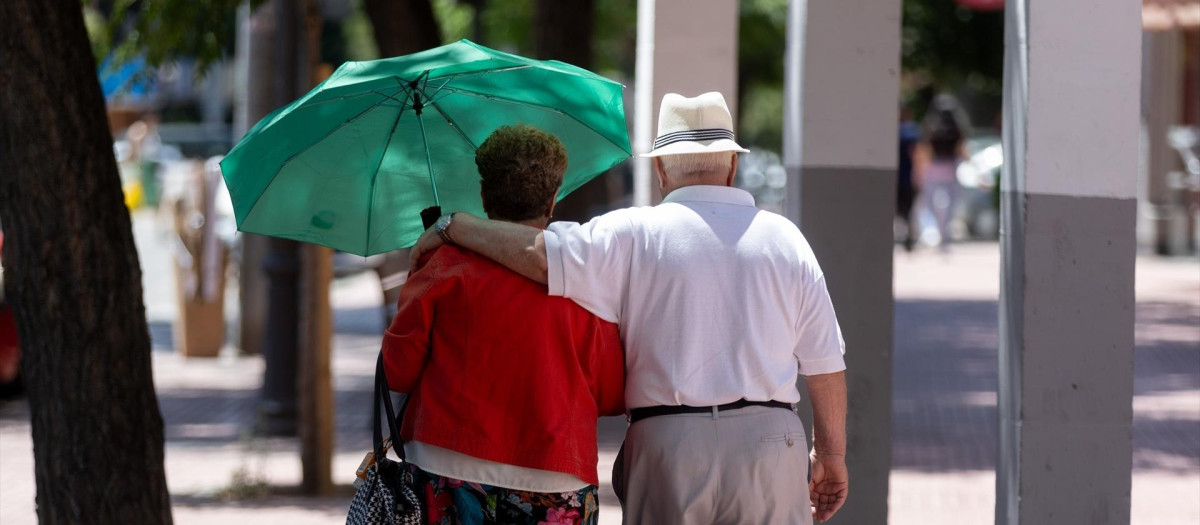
(694, 125)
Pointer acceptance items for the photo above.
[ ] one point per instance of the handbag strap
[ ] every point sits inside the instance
(383, 394)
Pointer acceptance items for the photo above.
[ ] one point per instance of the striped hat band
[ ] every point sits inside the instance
(693, 135)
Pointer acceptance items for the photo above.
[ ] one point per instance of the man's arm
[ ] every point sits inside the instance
(830, 478)
(520, 248)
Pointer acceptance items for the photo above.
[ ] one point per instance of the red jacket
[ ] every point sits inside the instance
(499, 370)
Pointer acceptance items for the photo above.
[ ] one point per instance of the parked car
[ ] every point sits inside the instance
(10, 352)
(979, 177)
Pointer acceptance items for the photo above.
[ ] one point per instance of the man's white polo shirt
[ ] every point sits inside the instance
(716, 300)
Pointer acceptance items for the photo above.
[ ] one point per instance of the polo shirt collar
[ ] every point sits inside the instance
(717, 194)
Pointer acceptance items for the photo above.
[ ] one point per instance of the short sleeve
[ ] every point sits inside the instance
(589, 263)
(819, 345)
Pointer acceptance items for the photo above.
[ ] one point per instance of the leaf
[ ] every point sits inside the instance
(163, 31)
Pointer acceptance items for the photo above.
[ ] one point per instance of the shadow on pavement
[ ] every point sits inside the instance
(276, 497)
(945, 380)
(944, 385)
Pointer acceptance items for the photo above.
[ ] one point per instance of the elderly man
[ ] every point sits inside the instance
(719, 305)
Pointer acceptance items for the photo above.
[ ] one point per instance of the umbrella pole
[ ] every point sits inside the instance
(425, 139)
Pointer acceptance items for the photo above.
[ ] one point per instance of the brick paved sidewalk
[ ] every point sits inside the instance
(215, 469)
(213, 466)
(944, 404)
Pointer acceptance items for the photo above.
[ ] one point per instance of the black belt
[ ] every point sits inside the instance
(638, 414)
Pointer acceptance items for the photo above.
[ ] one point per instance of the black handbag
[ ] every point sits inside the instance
(385, 494)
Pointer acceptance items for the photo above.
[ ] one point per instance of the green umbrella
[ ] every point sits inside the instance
(351, 164)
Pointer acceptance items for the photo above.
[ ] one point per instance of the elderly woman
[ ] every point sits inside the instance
(505, 381)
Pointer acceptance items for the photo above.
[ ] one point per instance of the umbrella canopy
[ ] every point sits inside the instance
(351, 164)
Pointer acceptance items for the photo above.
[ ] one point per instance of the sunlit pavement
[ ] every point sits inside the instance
(944, 406)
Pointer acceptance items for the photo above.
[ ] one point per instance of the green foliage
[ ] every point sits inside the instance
(945, 48)
(760, 117)
(952, 47)
(454, 19)
(762, 36)
(615, 47)
(507, 25)
(164, 30)
(358, 34)
(97, 29)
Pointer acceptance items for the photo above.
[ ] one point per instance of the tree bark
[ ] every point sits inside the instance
(564, 30)
(74, 279)
(315, 398)
(403, 26)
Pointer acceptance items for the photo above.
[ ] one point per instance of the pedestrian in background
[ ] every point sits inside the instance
(936, 161)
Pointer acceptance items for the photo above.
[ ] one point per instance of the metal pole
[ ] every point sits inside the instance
(643, 119)
(793, 97)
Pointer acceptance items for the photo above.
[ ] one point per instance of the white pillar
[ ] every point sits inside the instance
(840, 145)
(687, 47)
(1071, 129)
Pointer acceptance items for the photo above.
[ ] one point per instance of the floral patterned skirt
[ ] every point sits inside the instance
(449, 501)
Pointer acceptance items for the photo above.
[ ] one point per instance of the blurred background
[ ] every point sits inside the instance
(235, 441)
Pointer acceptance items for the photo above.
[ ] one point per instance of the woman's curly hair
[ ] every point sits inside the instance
(520, 170)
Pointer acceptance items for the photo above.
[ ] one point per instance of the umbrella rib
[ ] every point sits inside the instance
(483, 72)
(454, 125)
(393, 96)
(340, 98)
(348, 121)
(438, 90)
(540, 106)
(375, 176)
(306, 148)
(583, 73)
(449, 78)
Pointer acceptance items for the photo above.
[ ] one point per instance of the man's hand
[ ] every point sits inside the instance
(830, 480)
(829, 486)
(428, 242)
(518, 247)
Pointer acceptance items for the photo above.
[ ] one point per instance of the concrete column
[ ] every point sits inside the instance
(840, 122)
(687, 47)
(1066, 304)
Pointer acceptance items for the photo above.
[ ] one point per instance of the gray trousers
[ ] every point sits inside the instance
(748, 465)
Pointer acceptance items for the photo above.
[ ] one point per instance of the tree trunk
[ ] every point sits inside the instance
(73, 278)
(564, 31)
(314, 397)
(403, 26)
(315, 401)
